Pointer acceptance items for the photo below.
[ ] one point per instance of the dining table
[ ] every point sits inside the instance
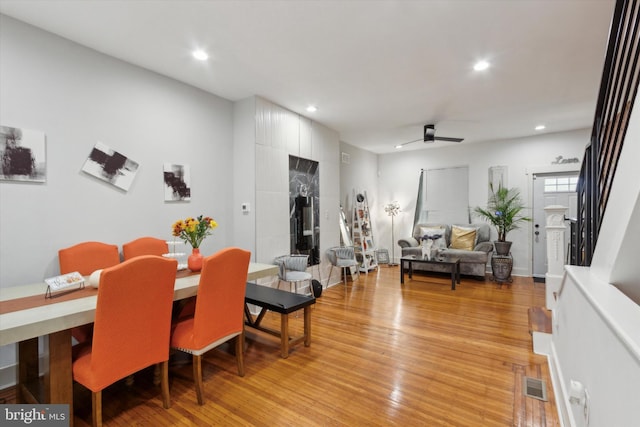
(26, 314)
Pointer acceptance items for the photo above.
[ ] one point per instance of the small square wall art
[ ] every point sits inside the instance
(177, 182)
(23, 155)
(110, 166)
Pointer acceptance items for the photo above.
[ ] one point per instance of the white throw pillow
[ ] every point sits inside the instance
(434, 234)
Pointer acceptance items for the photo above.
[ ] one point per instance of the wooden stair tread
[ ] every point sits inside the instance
(539, 320)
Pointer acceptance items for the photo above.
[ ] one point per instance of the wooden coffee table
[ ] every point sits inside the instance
(452, 264)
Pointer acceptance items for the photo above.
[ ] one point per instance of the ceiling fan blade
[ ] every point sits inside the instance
(429, 135)
(445, 138)
(410, 142)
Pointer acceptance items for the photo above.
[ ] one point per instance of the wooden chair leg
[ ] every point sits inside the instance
(96, 408)
(197, 377)
(157, 374)
(163, 367)
(239, 353)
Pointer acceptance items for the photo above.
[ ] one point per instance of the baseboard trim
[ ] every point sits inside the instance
(9, 373)
(8, 376)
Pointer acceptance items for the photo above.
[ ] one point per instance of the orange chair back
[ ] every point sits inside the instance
(88, 257)
(220, 301)
(133, 320)
(144, 246)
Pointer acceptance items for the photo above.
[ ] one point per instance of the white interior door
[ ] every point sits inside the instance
(551, 189)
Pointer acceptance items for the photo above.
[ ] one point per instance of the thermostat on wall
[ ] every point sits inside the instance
(246, 207)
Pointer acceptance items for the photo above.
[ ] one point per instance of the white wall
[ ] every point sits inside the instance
(596, 323)
(361, 174)
(399, 173)
(77, 97)
(615, 259)
(244, 173)
(280, 133)
(596, 341)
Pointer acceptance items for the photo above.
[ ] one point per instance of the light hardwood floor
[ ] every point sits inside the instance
(381, 354)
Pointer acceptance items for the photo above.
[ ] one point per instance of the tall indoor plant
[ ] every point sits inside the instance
(504, 211)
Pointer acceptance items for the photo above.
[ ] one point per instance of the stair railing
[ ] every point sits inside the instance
(618, 89)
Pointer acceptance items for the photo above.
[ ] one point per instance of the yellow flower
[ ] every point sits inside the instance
(193, 231)
(177, 227)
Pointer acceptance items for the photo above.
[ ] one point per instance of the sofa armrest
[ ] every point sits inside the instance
(484, 247)
(408, 242)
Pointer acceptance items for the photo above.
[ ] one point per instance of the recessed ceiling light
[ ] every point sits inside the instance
(200, 55)
(398, 146)
(481, 65)
(540, 127)
(312, 108)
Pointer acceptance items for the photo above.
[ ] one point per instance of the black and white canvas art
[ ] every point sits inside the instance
(23, 155)
(111, 166)
(177, 182)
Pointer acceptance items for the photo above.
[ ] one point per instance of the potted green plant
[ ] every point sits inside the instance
(504, 211)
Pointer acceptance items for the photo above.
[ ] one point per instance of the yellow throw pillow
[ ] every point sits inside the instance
(463, 238)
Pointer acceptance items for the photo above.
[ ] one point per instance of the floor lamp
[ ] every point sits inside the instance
(392, 209)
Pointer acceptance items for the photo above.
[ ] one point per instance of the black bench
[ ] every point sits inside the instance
(282, 302)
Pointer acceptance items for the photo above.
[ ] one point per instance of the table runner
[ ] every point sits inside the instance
(33, 301)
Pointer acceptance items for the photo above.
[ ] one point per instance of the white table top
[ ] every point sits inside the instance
(34, 322)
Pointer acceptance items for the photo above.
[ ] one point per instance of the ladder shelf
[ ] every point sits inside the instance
(362, 233)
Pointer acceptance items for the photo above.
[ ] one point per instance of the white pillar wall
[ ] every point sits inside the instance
(555, 229)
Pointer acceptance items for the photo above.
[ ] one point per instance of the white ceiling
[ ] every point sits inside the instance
(377, 70)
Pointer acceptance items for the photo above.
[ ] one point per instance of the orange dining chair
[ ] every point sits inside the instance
(132, 327)
(144, 246)
(153, 246)
(219, 311)
(86, 258)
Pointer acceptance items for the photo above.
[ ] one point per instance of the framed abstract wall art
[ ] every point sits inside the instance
(177, 182)
(110, 166)
(23, 155)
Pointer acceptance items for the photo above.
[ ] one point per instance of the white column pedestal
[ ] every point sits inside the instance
(555, 229)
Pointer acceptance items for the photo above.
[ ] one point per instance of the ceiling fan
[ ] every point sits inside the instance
(429, 135)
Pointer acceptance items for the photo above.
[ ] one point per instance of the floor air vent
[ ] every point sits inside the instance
(534, 387)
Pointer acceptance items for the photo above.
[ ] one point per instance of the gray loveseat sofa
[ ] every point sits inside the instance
(471, 262)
